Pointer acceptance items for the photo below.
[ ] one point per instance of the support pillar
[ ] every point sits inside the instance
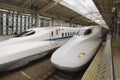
(118, 20)
(52, 22)
(37, 20)
(10, 22)
(70, 24)
(71, 21)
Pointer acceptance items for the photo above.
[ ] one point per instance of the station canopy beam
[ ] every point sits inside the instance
(46, 8)
(105, 7)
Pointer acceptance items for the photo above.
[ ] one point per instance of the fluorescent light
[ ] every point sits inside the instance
(113, 9)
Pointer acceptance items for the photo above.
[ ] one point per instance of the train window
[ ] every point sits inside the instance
(26, 33)
(62, 34)
(56, 32)
(65, 34)
(71, 34)
(68, 33)
(87, 32)
(52, 34)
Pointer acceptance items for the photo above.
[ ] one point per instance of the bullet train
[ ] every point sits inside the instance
(31, 45)
(79, 50)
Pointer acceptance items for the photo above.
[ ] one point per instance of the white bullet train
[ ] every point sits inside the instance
(31, 45)
(79, 50)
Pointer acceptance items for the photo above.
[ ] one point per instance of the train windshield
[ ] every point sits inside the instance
(87, 32)
(80, 32)
(26, 33)
(84, 32)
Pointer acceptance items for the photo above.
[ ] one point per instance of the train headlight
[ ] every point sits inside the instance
(81, 54)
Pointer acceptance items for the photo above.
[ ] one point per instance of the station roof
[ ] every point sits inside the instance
(106, 9)
(86, 8)
(47, 8)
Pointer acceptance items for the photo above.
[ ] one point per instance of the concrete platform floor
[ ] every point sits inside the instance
(116, 56)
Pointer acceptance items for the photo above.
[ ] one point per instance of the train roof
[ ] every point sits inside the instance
(89, 27)
(50, 28)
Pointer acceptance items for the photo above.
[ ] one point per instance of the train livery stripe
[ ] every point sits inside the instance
(59, 38)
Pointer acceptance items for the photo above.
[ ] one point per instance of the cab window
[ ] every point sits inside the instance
(87, 32)
(26, 33)
(84, 32)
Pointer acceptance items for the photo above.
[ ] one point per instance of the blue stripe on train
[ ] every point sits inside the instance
(59, 38)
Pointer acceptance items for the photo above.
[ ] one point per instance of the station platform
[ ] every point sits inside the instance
(116, 57)
(106, 63)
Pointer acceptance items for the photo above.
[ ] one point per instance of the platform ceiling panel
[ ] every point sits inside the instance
(48, 8)
(13, 2)
(68, 15)
(105, 8)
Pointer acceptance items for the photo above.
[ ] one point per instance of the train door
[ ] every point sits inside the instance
(57, 36)
(54, 37)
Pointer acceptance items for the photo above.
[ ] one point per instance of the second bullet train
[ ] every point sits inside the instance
(31, 45)
(79, 50)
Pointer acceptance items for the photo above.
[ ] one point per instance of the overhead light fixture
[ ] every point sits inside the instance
(118, 22)
(113, 9)
(117, 1)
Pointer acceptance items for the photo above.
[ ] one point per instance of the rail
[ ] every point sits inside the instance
(55, 74)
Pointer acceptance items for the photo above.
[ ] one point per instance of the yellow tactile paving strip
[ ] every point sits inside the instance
(105, 70)
(91, 73)
(100, 68)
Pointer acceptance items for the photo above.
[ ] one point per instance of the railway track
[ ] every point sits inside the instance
(28, 72)
(55, 74)
(41, 69)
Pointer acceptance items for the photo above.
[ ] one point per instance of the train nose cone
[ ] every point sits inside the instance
(65, 63)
